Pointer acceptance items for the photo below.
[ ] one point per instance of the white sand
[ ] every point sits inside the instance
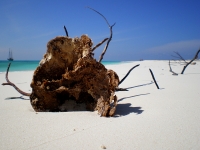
(146, 118)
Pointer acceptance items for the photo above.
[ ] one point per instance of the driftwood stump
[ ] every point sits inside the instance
(68, 72)
(68, 75)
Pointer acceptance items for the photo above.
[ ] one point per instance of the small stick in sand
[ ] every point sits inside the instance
(128, 73)
(170, 69)
(154, 79)
(195, 57)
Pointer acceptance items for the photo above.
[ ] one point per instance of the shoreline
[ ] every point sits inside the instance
(35, 64)
(146, 118)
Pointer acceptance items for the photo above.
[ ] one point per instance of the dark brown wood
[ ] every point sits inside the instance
(13, 85)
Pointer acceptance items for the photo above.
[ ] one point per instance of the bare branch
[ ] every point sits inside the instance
(110, 38)
(179, 56)
(175, 56)
(154, 79)
(174, 73)
(99, 44)
(12, 84)
(128, 74)
(101, 15)
(195, 57)
(66, 31)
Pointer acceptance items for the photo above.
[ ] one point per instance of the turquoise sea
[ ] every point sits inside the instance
(28, 65)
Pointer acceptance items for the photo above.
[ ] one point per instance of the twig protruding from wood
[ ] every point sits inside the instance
(170, 69)
(66, 31)
(120, 89)
(99, 44)
(195, 57)
(106, 46)
(12, 84)
(154, 79)
(110, 38)
(128, 73)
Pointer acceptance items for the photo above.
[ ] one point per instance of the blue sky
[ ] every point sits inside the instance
(145, 29)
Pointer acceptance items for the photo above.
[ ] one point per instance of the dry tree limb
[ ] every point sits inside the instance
(66, 31)
(110, 38)
(12, 84)
(174, 73)
(179, 56)
(154, 79)
(99, 44)
(195, 57)
(128, 74)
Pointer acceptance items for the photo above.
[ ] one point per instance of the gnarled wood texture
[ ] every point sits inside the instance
(67, 72)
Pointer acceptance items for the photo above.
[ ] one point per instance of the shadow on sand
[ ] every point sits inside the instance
(127, 89)
(125, 109)
(20, 97)
(139, 85)
(132, 96)
(122, 109)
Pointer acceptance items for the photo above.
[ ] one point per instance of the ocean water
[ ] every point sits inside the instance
(27, 65)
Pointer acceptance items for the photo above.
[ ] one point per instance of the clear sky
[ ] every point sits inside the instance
(145, 29)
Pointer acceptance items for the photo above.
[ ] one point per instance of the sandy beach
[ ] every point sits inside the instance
(146, 118)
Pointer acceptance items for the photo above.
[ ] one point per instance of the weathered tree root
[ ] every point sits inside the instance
(68, 72)
(85, 81)
(88, 82)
